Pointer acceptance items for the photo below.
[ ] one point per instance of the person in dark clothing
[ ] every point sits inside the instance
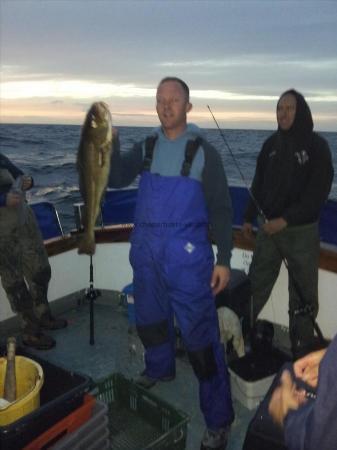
(292, 181)
(24, 267)
(183, 195)
(309, 423)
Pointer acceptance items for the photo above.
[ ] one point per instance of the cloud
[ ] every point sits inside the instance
(236, 56)
(256, 61)
(86, 90)
(75, 89)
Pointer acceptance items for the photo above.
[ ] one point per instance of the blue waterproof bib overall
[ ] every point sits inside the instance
(172, 260)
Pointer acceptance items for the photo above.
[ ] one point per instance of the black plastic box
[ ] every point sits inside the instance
(257, 365)
(236, 294)
(62, 392)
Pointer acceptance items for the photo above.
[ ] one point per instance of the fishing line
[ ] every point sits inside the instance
(239, 169)
(305, 307)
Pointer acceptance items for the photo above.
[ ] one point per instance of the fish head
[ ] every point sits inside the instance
(99, 116)
(97, 127)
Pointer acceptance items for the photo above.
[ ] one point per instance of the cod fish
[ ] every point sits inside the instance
(93, 165)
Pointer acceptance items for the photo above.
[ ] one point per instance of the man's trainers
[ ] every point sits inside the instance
(148, 382)
(215, 440)
(39, 341)
(51, 323)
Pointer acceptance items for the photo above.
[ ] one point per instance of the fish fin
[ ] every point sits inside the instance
(87, 245)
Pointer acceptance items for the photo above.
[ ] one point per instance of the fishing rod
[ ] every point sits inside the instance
(256, 203)
(305, 307)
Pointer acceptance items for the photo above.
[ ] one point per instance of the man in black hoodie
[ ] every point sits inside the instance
(292, 180)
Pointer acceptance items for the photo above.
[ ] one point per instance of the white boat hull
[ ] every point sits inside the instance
(112, 271)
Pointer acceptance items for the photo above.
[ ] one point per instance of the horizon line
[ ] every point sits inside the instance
(150, 126)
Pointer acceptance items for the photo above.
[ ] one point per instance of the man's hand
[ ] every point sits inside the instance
(220, 278)
(274, 225)
(284, 398)
(247, 230)
(13, 199)
(27, 183)
(307, 368)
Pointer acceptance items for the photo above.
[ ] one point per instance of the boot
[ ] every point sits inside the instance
(38, 341)
(300, 348)
(148, 382)
(215, 440)
(48, 322)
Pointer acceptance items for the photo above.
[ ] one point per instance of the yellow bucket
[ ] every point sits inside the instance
(29, 381)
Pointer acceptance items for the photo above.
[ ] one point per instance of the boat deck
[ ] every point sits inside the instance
(110, 354)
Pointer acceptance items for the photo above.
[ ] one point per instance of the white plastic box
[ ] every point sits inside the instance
(249, 393)
(252, 375)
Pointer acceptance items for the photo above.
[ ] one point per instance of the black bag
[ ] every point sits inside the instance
(262, 432)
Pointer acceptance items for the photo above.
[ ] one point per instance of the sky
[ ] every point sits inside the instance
(59, 56)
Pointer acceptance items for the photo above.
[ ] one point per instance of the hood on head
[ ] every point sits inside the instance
(303, 124)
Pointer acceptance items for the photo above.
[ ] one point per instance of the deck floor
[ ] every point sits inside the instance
(110, 354)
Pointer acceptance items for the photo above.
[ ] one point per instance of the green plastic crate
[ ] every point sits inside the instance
(139, 420)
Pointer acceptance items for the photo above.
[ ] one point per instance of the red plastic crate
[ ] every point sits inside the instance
(62, 392)
(67, 425)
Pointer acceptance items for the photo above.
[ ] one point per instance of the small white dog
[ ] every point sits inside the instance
(230, 327)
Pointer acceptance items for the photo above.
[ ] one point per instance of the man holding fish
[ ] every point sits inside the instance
(183, 197)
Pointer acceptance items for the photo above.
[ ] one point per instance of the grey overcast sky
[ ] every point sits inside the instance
(58, 56)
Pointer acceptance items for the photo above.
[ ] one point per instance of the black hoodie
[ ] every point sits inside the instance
(294, 171)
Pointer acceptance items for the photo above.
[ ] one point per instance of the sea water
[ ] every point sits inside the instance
(48, 154)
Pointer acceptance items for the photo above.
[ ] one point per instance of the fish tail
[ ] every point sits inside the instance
(87, 245)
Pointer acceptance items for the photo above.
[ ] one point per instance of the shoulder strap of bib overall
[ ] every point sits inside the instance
(150, 142)
(190, 151)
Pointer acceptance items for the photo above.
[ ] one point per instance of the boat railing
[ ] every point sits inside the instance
(48, 220)
(117, 216)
